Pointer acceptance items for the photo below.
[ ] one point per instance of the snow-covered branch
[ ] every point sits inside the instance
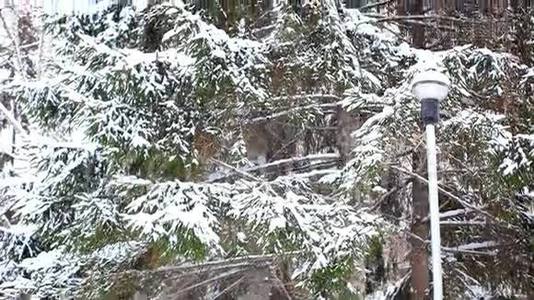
(12, 120)
(326, 157)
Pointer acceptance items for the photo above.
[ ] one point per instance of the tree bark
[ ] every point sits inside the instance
(419, 255)
(420, 278)
(418, 30)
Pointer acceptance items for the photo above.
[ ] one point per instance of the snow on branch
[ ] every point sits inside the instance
(12, 119)
(326, 157)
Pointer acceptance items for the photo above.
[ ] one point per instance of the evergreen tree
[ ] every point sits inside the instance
(224, 145)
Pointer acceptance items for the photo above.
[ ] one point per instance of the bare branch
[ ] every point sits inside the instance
(389, 193)
(373, 5)
(205, 282)
(229, 288)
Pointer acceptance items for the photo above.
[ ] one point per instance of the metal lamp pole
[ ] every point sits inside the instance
(431, 87)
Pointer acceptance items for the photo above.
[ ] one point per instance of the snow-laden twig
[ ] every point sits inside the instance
(232, 262)
(40, 57)
(243, 173)
(326, 157)
(15, 44)
(451, 213)
(12, 119)
(473, 248)
(463, 223)
(473, 252)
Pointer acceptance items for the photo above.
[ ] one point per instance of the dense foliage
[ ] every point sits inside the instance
(175, 153)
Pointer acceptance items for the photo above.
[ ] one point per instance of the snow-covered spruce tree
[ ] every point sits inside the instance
(165, 98)
(481, 223)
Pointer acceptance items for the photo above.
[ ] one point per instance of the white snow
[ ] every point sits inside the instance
(43, 261)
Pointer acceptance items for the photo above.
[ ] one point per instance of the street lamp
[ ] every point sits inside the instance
(430, 87)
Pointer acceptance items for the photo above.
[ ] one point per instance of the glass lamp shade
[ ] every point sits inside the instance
(430, 85)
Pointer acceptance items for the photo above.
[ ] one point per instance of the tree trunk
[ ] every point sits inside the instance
(418, 30)
(419, 255)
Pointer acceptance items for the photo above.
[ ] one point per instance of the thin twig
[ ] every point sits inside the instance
(229, 287)
(389, 193)
(280, 284)
(208, 281)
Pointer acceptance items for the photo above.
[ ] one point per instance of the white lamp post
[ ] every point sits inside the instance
(430, 88)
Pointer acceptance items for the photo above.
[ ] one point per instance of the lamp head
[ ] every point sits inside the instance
(430, 85)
